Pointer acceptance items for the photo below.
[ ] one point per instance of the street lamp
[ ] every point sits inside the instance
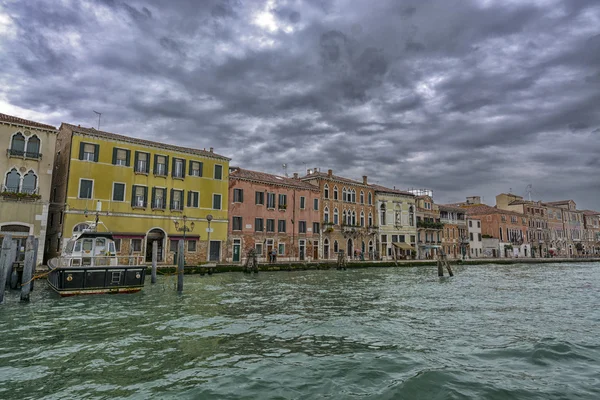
(184, 228)
(209, 218)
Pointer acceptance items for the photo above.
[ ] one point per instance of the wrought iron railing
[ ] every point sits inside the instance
(25, 154)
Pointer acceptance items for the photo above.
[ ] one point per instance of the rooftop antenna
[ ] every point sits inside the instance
(285, 169)
(99, 115)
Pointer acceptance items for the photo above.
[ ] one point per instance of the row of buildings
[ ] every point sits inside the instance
(56, 181)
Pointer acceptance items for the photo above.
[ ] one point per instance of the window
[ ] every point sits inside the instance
(401, 238)
(282, 201)
(174, 245)
(86, 187)
(17, 146)
(258, 225)
(193, 199)
(159, 198)
(237, 223)
(335, 216)
(195, 168)
(335, 193)
(33, 147)
(216, 201)
(316, 204)
(471, 236)
(218, 172)
(479, 236)
(335, 246)
(370, 218)
(326, 214)
(470, 224)
(270, 200)
(270, 225)
(344, 194)
(326, 191)
(176, 199)
(136, 245)
(142, 165)
(259, 198)
(121, 157)
(478, 224)
(362, 218)
(370, 198)
(29, 185)
(281, 249)
(139, 196)
(281, 225)
(88, 151)
(302, 227)
(316, 227)
(117, 245)
(192, 245)
(302, 202)
(238, 195)
(118, 191)
(161, 164)
(258, 247)
(178, 168)
(412, 238)
(382, 220)
(362, 197)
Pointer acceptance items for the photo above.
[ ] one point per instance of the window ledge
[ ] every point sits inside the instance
(158, 209)
(140, 173)
(175, 210)
(161, 175)
(138, 207)
(179, 178)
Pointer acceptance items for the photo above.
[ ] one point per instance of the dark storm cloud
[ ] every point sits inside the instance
(466, 97)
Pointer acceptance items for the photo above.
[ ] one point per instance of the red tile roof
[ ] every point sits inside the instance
(591, 212)
(450, 207)
(262, 177)
(114, 136)
(558, 203)
(325, 175)
(383, 189)
(482, 209)
(20, 121)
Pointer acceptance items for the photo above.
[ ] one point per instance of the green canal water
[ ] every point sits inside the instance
(491, 332)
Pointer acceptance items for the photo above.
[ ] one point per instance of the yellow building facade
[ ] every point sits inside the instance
(146, 193)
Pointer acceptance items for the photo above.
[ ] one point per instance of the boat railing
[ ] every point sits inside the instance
(98, 261)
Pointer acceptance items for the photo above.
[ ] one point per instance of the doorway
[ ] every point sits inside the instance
(237, 245)
(350, 249)
(302, 249)
(155, 237)
(215, 250)
(315, 250)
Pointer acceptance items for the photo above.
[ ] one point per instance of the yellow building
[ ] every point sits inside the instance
(144, 192)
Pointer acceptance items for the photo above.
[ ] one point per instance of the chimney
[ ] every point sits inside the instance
(364, 179)
(295, 175)
(329, 172)
(211, 150)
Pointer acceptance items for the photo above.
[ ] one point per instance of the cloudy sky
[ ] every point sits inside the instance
(466, 97)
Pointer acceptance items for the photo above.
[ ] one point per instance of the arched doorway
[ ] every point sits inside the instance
(326, 249)
(350, 248)
(19, 235)
(155, 236)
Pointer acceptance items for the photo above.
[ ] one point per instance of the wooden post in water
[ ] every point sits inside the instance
(440, 266)
(36, 243)
(154, 260)
(448, 268)
(180, 266)
(4, 263)
(28, 268)
(13, 258)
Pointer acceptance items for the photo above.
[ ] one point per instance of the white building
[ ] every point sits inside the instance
(475, 240)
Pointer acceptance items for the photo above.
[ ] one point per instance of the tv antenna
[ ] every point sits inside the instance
(99, 115)
(285, 169)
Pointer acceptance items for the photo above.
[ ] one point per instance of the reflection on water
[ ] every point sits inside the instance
(502, 332)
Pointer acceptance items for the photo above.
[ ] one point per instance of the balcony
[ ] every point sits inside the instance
(32, 155)
(430, 225)
(19, 194)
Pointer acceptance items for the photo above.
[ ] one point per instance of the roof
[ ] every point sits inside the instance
(20, 121)
(557, 203)
(590, 212)
(262, 177)
(519, 202)
(482, 209)
(123, 138)
(383, 189)
(450, 207)
(324, 175)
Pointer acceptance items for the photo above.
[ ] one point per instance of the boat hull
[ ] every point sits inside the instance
(115, 279)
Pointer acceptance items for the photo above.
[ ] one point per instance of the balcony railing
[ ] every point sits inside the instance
(16, 193)
(24, 154)
(430, 225)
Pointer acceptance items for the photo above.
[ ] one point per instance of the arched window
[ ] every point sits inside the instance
(344, 195)
(370, 199)
(80, 227)
(344, 220)
(326, 191)
(336, 247)
(411, 216)
(370, 219)
(362, 218)
(353, 196)
(33, 146)
(382, 215)
(326, 248)
(326, 214)
(362, 197)
(353, 218)
(12, 182)
(371, 248)
(17, 146)
(29, 183)
(335, 216)
(335, 193)
(398, 216)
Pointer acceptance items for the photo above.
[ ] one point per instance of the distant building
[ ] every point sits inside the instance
(27, 167)
(573, 226)
(429, 227)
(272, 213)
(475, 238)
(455, 236)
(591, 232)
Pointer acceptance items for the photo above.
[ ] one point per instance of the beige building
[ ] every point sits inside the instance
(27, 168)
(429, 227)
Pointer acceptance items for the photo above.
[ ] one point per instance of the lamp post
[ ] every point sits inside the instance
(209, 218)
(184, 228)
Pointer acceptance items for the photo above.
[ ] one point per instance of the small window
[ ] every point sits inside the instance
(258, 248)
(174, 245)
(237, 223)
(193, 199)
(259, 198)
(326, 191)
(218, 172)
(270, 225)
(281, 250)
(270, 200)
(118, 191)
(160, 165)
(195, 168)
(258, 225)
(176, 199)
(142, 165)
(216, 201)
(89, 152)
(316, 204)
(121, 157)
(281, 225)
(238, 195)
(117, 245)
(302, 202)
(316, 227)
(192, 245)
(136, 245)
(302, 227)
(86, 187)
(282, 201)
(178, 168)
(158, 201)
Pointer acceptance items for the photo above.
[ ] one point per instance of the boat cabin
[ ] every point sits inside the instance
(90, 249)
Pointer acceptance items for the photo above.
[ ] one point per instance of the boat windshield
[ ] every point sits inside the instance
(69, 248)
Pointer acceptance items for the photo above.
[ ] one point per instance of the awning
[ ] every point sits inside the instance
(403, 246)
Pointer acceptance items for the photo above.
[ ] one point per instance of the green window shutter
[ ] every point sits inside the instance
(182, 197)
(153, 196)
(171, 203)
(145, 196)
(96, 152)
(173, 168)
(114, 161)
(189, 202)
(190, 170)
(155, 163)
(81, 150)
(183, 169)
(201, 166)
(167, 165)
(133, 188)
(128, 158)
(241, 195)
(135, 161)
(147, 163)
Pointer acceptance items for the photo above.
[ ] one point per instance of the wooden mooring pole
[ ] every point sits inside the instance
(154, 260)
(13, 257)
(180, 266)
(4, 263)
(28, 268)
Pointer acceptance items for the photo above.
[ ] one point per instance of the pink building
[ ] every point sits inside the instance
(275, 215)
